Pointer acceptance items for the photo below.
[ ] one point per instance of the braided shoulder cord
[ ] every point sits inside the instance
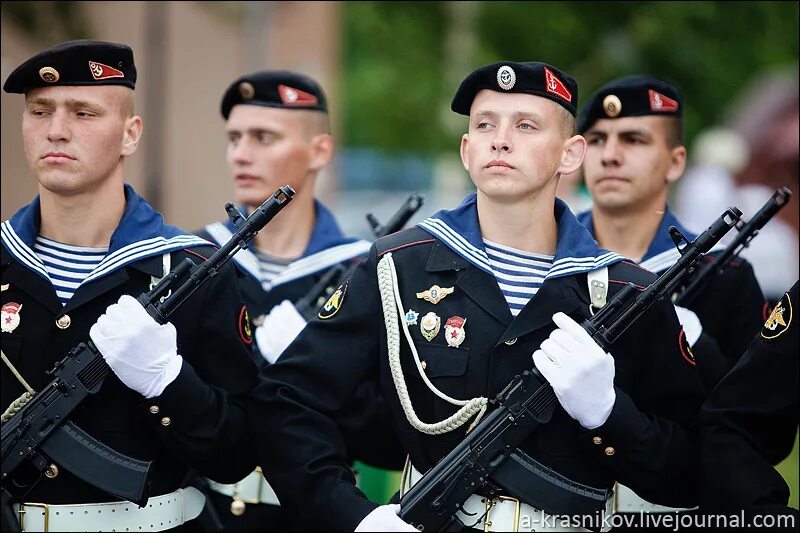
(390, 298)
(20, 402)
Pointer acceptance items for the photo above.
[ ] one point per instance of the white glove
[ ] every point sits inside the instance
(278, 330)
(384, 518)
(581, 373)
(142, 353)
(691, 324)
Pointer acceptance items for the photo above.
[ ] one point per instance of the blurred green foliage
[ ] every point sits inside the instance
(397, 57)
(49, 22)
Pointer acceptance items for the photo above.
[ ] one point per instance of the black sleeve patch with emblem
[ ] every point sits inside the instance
(686, 350)
(245, 330)
(334, 303)
(779, 320)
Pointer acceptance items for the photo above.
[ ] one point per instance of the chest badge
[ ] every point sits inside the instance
(454, 332)
(411, 317)
(430, 325)
(435, 294)
(10, 316)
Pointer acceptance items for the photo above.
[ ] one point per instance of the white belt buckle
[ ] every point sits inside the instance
(487, 523)
(21, 514)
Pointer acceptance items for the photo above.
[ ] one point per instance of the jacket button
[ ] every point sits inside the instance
(609, 451)
(511, 341)
(154, 409)
(166, 421)
(597, 440)
(424, 365)
(63, 322)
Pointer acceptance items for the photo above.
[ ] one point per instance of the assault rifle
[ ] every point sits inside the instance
(309, 304)
(742, 240)
(529, 400)
(41, 431)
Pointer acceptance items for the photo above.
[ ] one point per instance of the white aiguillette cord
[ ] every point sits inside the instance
(390, 298)
(20, 402)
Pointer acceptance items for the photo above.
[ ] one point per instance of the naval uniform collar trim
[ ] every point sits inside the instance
(327, 247)
(576, 250)
(140, 234)
(662, 253)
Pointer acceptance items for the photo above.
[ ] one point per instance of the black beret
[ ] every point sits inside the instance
(80, 62)
(631, 96)
(275, 88)
(531, 77)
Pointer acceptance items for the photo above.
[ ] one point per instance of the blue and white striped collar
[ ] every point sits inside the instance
(141, 233)
(327, 247)
(662, 253)
(576, 250)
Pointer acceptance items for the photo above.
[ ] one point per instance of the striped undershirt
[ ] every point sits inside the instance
(67, 265)
(270, 267)
(519, 274)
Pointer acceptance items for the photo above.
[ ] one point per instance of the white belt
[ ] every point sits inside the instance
(252, 489)
(160, 513)
(627, 501)
(503, 513)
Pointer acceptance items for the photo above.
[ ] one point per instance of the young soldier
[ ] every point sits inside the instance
(634, 133)
(278, 132)
(476, 291)
(87, 241)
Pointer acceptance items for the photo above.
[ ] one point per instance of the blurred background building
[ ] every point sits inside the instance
(390, 70)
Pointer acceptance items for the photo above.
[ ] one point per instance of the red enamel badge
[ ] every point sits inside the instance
(659, 102)
(9, 318)
(292, 96)
(555, 86)
(454, 332)
(102, 72)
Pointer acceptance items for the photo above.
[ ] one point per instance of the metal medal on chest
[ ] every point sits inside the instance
(435, 294)
(411, 317)
(10, 316)
(430, 325)
(454, 332)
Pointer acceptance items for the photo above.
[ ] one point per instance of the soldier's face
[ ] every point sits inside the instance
(270, 147)
(75, 138)
(629, 162)
(516, 145)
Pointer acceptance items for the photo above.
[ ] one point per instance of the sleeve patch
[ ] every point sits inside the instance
(334, 303)
(245, 330)
(779, 320)
(686, 350)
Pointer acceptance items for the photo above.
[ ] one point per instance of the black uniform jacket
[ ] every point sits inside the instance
(730, 305)
(200, 419)
(642, 442)
(754, 406)
(364, 422)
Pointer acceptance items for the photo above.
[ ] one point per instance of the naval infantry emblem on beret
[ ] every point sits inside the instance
(49, 74)
(246, 90)
(612, 105)
(506, 77)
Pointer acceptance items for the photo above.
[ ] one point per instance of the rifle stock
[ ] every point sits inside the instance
(41, 429)
(529, 400)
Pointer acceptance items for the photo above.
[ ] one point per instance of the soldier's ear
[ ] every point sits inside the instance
(131, 135)
(465, 151)
(322, 147)
(573, 154)
(677, 163)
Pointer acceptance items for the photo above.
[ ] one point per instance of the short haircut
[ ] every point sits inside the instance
(673, 129)
(566, 123)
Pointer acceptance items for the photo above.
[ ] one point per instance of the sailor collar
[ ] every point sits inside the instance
(327, 247)
(662, 253)
(141, 233)
(576, 250)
